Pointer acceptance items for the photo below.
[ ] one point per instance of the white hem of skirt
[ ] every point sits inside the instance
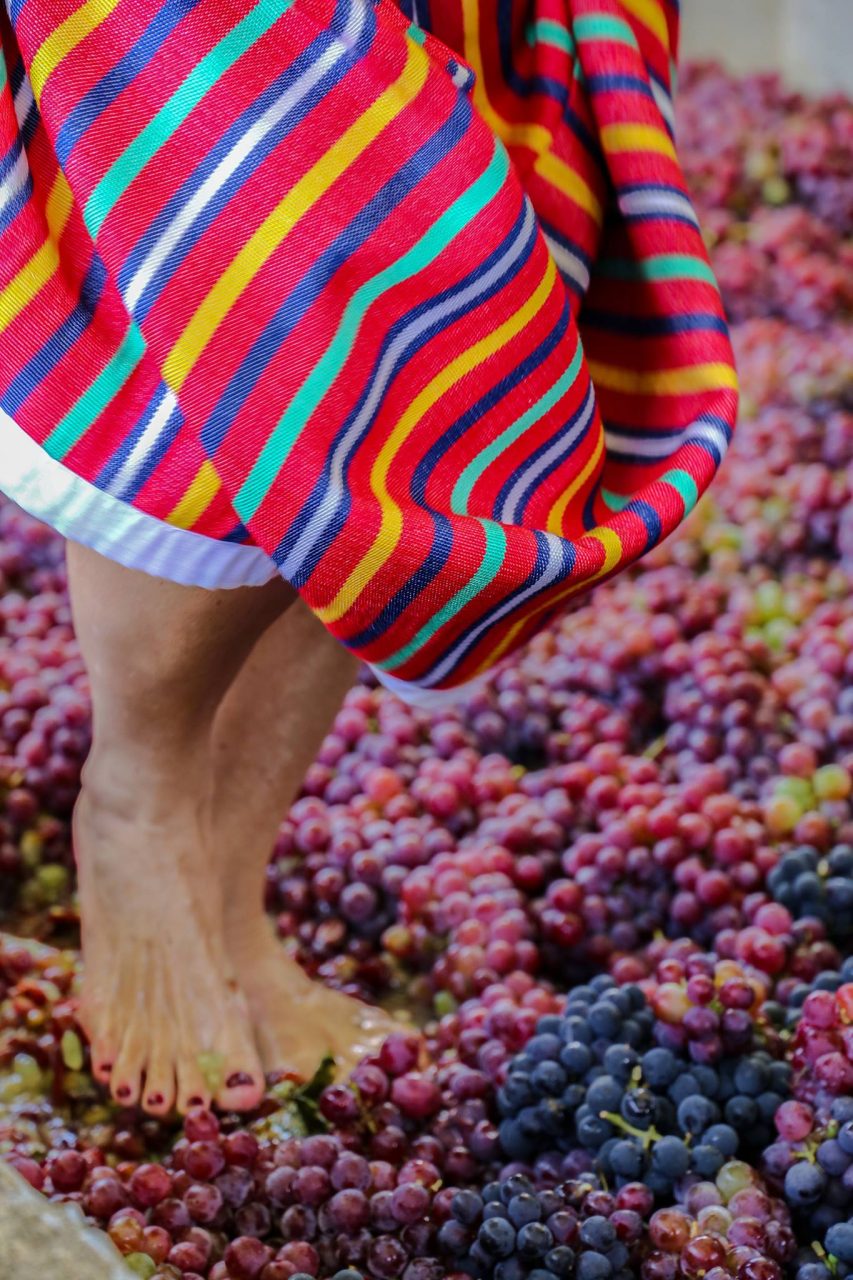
(80, 511)
(49, 491)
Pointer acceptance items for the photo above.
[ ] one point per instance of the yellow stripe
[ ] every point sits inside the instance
(667, 382)
(66, 37)
(385, 542)
(38, 270)
(556, 515)
(287, 213)
(651, 15)
(569, 182)
(636, 137)
(197, 498)
(535, 137)
(612, 544)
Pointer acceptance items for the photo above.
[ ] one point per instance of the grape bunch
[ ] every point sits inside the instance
(593, 1078)
(728, 1226)
(817, 884)
(811, 1162)
(512, 1230)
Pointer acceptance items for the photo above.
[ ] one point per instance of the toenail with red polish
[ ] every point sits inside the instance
(155, 1099)
(123, 1091)
(105, 1067)
(195, 1101)
(237, 1079)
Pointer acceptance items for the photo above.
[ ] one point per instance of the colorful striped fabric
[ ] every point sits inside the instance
(409, 307)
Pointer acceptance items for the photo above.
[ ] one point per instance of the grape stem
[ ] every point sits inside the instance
(646, 1136)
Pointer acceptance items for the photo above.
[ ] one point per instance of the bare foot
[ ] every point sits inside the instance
(298, 1021)
(166, 1018)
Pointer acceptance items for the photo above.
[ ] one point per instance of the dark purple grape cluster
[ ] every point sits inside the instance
(594, 1078)
(819, 885)
(513, 1230)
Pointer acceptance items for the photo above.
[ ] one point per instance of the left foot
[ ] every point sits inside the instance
(298, 1021)
(167, 1021)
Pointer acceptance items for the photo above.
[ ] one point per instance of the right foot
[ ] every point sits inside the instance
(297, 1019)
(165, 1016)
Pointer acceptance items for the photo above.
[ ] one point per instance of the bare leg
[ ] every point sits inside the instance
(160, 1000)
(268, 730)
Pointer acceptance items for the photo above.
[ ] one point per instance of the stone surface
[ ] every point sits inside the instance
(44, 1241)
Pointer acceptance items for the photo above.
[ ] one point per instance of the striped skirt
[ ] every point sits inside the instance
(407, 304)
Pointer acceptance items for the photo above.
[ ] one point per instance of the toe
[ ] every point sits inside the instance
(192, 1086)
(158, 1095)
(242, 1075)
(126, 1077)
(103, 1053)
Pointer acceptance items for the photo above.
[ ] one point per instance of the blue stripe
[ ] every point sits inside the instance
(229, 191)
(650, 519)
(443, 539)
(457, 309)
(123, 451)
(61, 340)
(238, 534)
(563, 240)
(10, 159)
(534, 485)
(652, 326)
(16, 204)
(663, 216)
(159, 449)
(104, 93)
(498, 611)
(312, 283)
(614, 83)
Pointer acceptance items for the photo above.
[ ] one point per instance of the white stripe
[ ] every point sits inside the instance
(569, 264)
(160, 419)
(547, 579)
(254, 136)
(432, 699)
(662, 202)
(556, 452)
(664, 102)
(15, 181)
(624, 443)
(24, 101)
(335, 492)
(78, 510)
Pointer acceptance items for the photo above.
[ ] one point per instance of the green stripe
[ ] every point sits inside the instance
(416, 33)
(97, 396)
(4, 74)
(660, 266)
(430, 247)
(615, 501)
(490, 567)
(685, 484)
(544, 31)
(471, 474)
(601, 26)
(174, 112)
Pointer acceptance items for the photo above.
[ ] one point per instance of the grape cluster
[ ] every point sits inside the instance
(726, 1226)
(594, 1078)
(817, 885)
(512, 1230)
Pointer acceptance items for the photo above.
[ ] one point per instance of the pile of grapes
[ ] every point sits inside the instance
(616, 887)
